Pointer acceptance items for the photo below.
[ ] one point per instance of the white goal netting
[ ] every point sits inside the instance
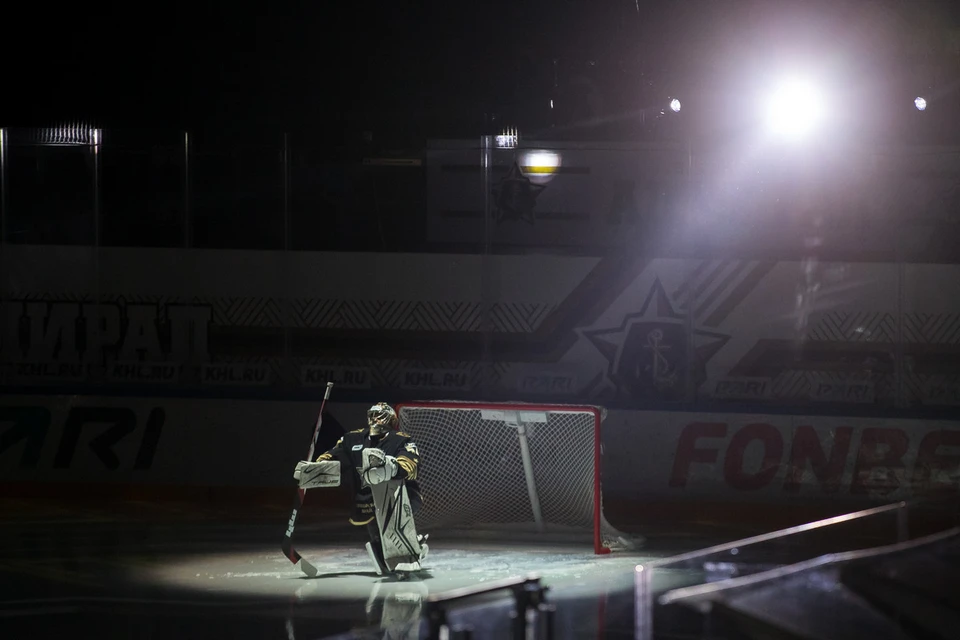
(515, 466)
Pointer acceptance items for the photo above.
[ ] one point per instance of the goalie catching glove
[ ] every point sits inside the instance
(311, 475)
(378, 467)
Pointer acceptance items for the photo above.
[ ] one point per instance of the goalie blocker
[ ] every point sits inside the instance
(314, 475)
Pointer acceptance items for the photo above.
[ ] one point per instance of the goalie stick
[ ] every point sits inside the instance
(287, 545)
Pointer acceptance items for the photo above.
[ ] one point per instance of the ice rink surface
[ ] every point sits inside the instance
(103, 574)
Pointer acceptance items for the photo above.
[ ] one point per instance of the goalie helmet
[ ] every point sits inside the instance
(381, 417)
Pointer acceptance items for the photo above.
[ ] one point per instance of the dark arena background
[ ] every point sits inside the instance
(667, 294)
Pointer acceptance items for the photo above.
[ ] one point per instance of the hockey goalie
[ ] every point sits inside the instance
(383, 466)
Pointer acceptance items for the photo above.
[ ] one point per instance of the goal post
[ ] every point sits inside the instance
(510, 466)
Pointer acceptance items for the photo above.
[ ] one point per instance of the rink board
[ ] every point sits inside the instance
(197, 448)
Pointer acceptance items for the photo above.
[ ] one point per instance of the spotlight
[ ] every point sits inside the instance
(539, 166)
(675, 105)
(921, 103)
(794, 109)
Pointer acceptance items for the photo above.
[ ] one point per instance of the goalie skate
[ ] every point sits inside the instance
(402, 550)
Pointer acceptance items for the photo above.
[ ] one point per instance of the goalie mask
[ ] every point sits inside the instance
(380, 418)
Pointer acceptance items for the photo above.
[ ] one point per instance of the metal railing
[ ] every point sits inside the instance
(716, 560)
(532, 616)
(700, 592)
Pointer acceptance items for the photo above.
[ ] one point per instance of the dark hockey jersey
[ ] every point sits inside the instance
(349, 451)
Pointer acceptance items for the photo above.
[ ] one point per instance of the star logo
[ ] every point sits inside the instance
(515, 196)
(648, 354)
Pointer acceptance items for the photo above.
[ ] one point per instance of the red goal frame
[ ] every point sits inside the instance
(598, 546)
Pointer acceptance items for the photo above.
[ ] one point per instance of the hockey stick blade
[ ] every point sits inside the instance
(308, 569)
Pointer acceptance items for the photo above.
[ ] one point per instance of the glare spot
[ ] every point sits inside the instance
(794, 109)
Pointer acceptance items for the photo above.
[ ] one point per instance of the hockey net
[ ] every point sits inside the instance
(520, 467)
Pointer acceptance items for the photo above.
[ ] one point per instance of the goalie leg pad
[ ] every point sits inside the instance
(311, 475)
(398, 532)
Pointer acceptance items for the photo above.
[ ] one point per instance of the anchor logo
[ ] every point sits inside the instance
(662, 373)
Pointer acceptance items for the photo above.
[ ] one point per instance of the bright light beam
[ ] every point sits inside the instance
(794, 110)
